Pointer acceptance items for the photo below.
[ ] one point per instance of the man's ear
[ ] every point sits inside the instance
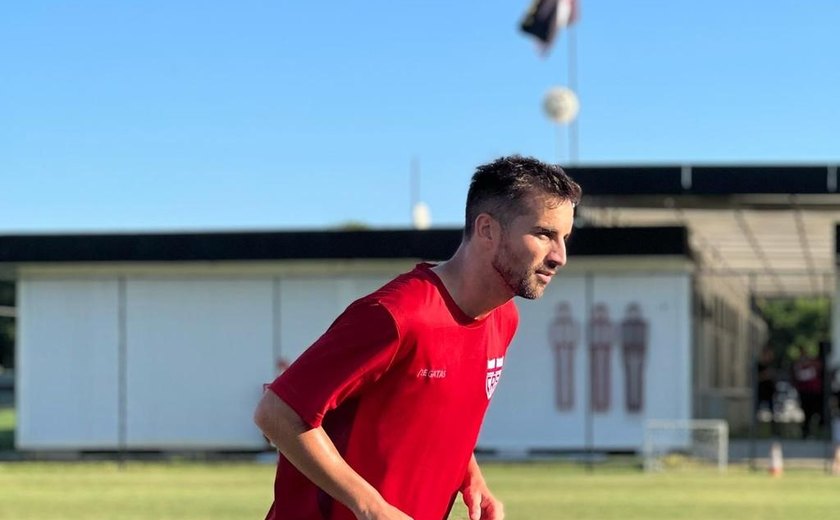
(486, 229)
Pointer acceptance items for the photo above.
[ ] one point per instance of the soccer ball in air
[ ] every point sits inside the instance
(561, 105)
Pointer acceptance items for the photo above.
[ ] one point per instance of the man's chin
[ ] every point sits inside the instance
(532, 293)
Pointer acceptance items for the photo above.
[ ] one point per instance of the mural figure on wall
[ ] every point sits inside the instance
(563, 335)
(634, 338)
(601, 337)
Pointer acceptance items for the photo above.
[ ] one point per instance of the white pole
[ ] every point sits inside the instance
(573, 129)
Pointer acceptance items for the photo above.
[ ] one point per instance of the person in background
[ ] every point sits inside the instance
(807, 379)
(766, 381)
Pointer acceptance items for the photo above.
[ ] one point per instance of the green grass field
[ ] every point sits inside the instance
(94, 491)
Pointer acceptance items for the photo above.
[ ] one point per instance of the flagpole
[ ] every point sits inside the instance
(558, 142)
(544, 20)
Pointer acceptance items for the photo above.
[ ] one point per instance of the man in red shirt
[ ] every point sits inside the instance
(378, 419)
(808, 381)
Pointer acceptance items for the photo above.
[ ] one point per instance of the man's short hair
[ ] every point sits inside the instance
(500, 188)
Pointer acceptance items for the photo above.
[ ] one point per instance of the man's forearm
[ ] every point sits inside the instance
(312, 452)
(473, 474)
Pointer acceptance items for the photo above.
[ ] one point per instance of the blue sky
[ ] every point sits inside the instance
(188, 115)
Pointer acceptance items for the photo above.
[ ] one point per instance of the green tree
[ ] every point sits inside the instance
(352, 225)
(795, 323)
(7, 293)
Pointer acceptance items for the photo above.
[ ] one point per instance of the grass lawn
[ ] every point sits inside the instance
(546, 491)
(99, 491)
(94, 491)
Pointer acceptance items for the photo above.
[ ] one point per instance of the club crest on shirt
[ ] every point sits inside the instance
(494, 373)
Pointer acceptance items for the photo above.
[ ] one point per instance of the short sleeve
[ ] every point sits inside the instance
(355, 351)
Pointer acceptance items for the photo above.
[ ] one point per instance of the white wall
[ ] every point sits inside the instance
(199, 348)
(198, 353)
(523, 413)
(67, 371)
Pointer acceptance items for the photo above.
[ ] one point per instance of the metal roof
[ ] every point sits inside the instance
(771, 228)
(433, 244)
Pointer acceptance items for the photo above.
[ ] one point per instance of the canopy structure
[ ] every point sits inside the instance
(771, 228)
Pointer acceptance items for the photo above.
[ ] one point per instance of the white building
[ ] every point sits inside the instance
(163, 341)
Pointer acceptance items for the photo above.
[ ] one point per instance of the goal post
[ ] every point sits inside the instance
(689, 443)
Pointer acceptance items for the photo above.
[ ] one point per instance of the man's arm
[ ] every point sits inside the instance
(314, 454)
(481, 504)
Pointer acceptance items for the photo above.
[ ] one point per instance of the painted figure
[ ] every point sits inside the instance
(601, 337)
(564, 334)
(634, 338)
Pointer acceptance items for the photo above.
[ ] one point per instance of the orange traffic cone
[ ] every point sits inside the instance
(776, 462)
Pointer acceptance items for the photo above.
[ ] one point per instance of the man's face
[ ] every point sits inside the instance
(533, 246)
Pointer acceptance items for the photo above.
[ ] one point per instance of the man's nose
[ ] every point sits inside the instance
(557, 256)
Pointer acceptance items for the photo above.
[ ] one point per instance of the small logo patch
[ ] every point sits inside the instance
(494, 373)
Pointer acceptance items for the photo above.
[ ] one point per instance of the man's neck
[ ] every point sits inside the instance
(474, 285)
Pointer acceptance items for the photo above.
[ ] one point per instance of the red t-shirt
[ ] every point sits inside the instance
(400, 382)
(807, 376)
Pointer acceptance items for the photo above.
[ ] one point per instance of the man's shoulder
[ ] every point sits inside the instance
(509, 308)
(408, 291)
(509, 315)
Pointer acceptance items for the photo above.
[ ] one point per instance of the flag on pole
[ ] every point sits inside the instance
(546, 17)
